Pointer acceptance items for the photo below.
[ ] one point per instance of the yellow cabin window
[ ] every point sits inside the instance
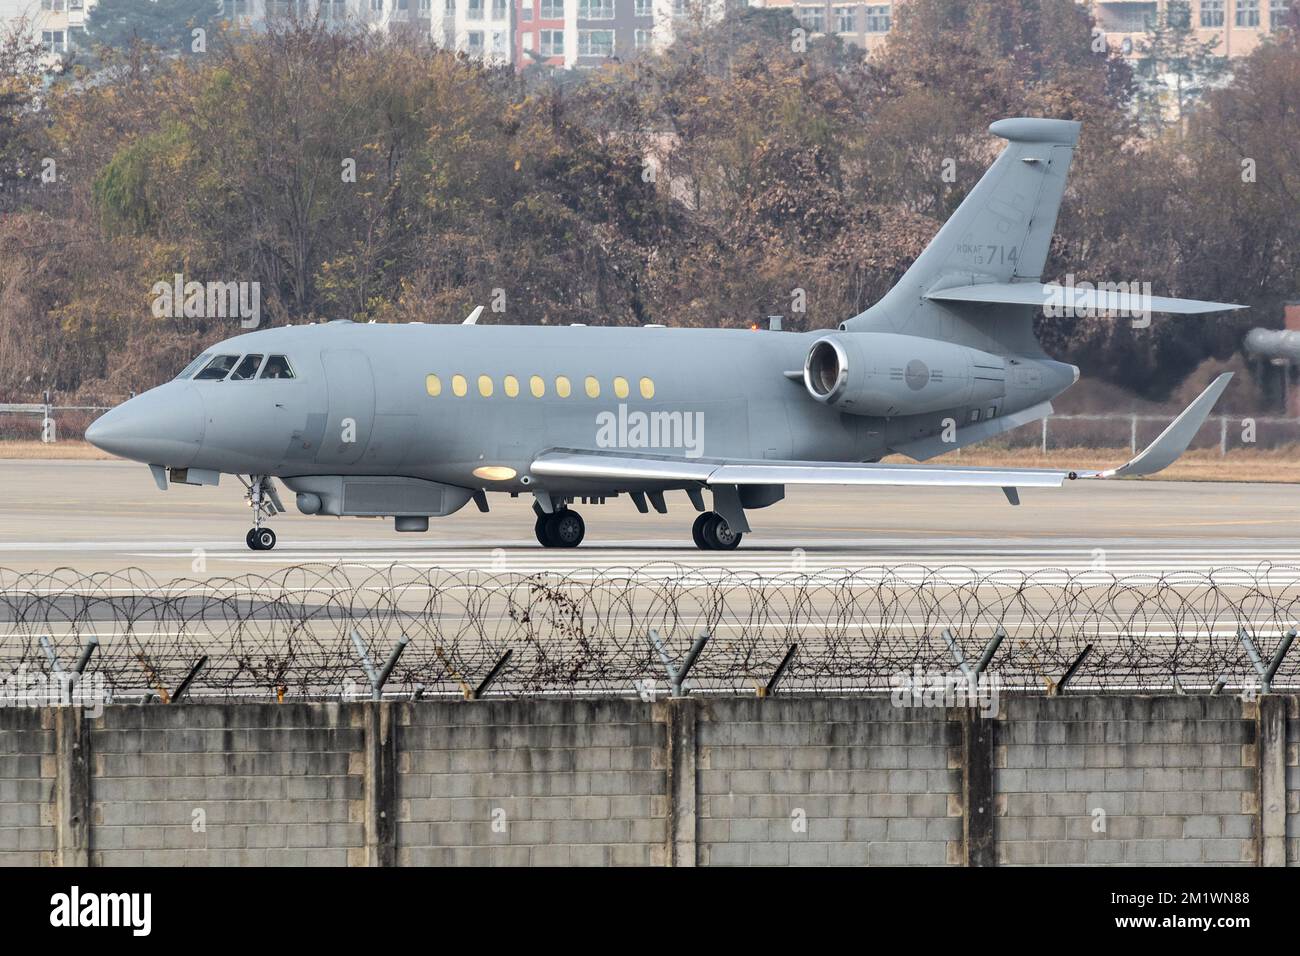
(593, 387)
(485, 386)
(562, 386)
(512, 386)
(433, 385)
(537, 385)
(647, 388)
(620, 387)
(459, 386)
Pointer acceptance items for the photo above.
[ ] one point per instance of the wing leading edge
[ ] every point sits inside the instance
(615, 467)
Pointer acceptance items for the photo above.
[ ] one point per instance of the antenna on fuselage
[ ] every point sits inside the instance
(472, 318)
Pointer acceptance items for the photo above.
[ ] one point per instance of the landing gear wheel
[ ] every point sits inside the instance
(565, 529)
(539, 529)
(717, 534)
(265, 502)
(697, 531)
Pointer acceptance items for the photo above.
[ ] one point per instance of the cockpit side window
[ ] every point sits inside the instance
(198, 363)
(218, 368)
(247, 368)
(277, 366)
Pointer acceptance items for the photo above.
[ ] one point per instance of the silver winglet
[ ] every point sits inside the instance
(1173, 441)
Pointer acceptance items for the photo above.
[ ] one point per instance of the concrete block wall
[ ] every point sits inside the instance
(1125, 780)
(272, 785)
(552, 783)
(783, 780)
(1293, 781)
(839, 781)
(27, 774)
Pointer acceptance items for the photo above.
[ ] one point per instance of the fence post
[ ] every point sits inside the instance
(977, 847)
(679, 716)
(1270, 776)
(1223, 436)
(1044, 434)
(380, 782)
(1133, 435)
(72, 787)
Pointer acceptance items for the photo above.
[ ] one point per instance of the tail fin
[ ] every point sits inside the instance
(1001, 233)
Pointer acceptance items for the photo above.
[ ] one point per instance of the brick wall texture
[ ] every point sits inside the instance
(840, 781)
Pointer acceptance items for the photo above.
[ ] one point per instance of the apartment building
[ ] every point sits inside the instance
(49, 21)
(377, 13)
(481, 28)
(586, 33)
(1239, 25)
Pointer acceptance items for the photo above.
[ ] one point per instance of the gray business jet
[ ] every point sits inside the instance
(415, 421)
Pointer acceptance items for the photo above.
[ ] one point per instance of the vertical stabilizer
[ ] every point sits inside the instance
(1001, 232)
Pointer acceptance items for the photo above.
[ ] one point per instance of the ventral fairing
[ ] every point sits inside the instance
(415, 421)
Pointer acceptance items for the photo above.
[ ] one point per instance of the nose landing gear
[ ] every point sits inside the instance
(265, 502)
(260, 539)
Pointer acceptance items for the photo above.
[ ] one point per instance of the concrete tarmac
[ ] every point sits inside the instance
(109, 515)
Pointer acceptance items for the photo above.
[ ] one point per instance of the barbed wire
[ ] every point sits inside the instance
(296, 633)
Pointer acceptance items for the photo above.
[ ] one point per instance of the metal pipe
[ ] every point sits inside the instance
(1276, 661)
(392, 662)
(365, 658)
(1071, 670)
(53, 658)
(689, 662)
(189, 679)
(989, 650)
(960, 658)
(492, 674)
(770, 689)
(83, 659)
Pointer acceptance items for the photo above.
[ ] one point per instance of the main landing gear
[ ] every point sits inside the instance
(560, 529)
(712, 533)
(265, 502)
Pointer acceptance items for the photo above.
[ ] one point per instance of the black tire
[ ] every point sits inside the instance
(718, 534)
(539, 529)
(265, 539)
(251, 541)
(566, 529)
(697, 531)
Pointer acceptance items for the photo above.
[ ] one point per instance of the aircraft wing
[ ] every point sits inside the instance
(620, 466)
(1075, 299)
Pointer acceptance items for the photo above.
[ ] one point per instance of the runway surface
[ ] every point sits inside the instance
(1156, 579)
(99, 516)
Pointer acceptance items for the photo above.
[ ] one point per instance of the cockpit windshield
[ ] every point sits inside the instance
(277, 366)
(218, 368)
(194, 366)
(247, 368)
(236, 368)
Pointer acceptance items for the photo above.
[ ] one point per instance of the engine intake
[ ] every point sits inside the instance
(883, 374)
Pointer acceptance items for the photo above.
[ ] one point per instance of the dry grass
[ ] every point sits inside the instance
(60, 450)
(1203, 464)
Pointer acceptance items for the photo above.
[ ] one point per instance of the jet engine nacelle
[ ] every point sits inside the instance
(884, 374)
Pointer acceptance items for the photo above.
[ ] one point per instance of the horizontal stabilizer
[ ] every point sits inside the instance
(1075, 299)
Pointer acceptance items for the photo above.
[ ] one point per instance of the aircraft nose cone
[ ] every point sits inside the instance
(164, 426)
